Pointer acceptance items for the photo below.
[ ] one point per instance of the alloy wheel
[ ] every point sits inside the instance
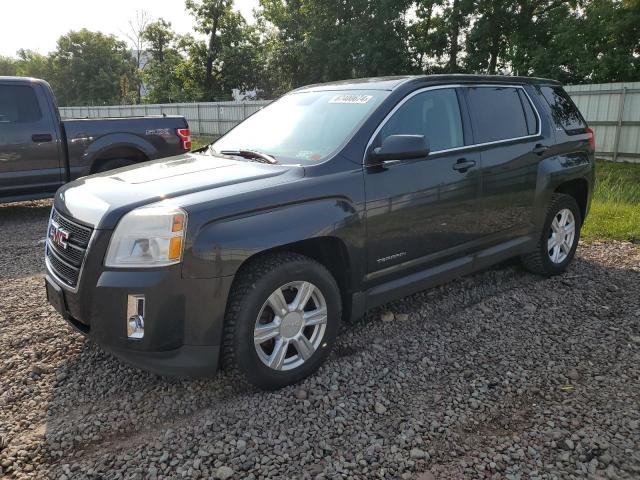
(290, 326)
(561, 236)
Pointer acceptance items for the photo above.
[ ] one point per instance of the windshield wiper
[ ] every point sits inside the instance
(252, 155)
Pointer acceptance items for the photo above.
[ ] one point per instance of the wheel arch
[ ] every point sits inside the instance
(109, 146)
(577, 188)
(329, 251)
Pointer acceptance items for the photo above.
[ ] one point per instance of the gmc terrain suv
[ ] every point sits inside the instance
(334, 199)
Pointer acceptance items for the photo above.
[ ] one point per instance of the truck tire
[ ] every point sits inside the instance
(559, 238)
(113, 164)
(282, 319)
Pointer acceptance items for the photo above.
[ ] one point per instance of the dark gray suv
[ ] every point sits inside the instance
(332, 200)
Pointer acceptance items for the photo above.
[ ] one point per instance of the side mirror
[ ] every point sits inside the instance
(400, 147)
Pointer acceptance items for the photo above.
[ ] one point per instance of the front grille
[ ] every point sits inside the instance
(79, 234)
(66, 263)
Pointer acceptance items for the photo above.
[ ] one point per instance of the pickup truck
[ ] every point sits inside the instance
(39, 152)
(332, 200)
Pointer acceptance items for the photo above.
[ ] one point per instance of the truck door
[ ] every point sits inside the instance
(29, 157)
(420, 211)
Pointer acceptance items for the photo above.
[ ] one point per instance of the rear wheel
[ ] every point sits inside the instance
(559, 240)
(282, 319)
(113, 164)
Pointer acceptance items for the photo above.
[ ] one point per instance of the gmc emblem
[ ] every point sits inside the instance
(58, 236)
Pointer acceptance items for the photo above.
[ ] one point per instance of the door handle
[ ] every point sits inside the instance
(41, 137)
(462, 165)
(539, 149)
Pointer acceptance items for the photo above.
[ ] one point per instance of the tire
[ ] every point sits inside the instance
(251, 304)
(554, 261)
(113, 164)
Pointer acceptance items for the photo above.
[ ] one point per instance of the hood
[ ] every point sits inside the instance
(100, 200)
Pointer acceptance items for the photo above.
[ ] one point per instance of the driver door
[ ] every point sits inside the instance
(419, 212)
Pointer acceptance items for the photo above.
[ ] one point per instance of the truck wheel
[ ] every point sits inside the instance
(559, 239)
(113, 164)
(282, 318)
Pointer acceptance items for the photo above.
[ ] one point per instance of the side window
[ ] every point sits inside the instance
(498, 112)
(434, 114)
(19, 104)
(564, 112)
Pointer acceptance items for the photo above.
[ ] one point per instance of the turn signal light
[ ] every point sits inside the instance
(175, 248)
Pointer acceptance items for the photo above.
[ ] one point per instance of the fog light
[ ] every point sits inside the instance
(135, 316)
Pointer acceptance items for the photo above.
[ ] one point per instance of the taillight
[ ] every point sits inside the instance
(591, 137)
(185, 137)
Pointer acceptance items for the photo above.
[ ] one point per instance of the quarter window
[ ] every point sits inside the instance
(499, 114)
(18, 104)
(434, 114)
(564, 112)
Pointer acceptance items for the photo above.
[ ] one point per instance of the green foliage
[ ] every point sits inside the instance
(310, 41)
(299, 42)
(91, 68)
(8, 66)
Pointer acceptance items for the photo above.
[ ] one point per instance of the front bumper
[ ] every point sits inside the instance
(183, 317)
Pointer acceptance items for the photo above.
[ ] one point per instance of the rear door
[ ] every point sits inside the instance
(507, 130)
(422, 210)
(29, 158)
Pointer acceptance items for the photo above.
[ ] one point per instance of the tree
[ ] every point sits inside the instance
(89, 68)
(135, 35)
(212, 18)
(488, 38)
(166, 59)
(8, 66)
(310, 41)
(33, 64)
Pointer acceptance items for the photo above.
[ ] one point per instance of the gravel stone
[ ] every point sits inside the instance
(417, 454)
(224, 472)
(387, 316)
(476, 382)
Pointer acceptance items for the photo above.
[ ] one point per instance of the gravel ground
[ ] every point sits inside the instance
(498, 375)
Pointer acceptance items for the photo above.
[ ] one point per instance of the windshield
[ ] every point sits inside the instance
(303, 127)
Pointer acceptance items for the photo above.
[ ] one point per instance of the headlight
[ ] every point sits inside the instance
(148, 237)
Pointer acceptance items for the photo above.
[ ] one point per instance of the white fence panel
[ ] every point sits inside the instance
(205, 118)
(613, 111)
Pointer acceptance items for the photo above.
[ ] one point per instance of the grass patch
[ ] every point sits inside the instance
(197, 142)
(615, 208)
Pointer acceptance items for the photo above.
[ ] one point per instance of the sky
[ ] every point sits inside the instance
(37, 24)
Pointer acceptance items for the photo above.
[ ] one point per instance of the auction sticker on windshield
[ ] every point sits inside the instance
(352, 99)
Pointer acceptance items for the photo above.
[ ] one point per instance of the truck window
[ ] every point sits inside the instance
(19, 104)
(498, 113)
(564, 112)
(434, 114)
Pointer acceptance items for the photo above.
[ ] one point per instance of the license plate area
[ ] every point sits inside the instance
(55, 296)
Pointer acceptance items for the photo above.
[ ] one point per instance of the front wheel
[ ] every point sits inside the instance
(559, 239)
(282, 319)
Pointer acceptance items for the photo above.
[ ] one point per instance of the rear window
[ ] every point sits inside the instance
(564, 112)
(18, 104)
(499, 114)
